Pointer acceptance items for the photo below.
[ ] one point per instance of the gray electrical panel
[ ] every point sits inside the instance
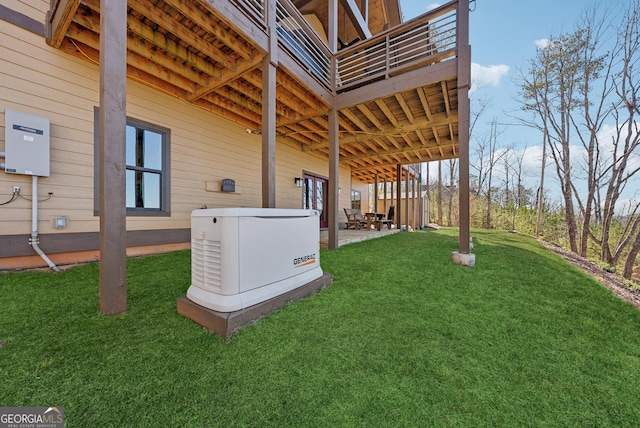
(27, 144)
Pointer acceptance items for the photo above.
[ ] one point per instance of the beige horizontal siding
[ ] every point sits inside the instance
(40, 80)
(35, 9)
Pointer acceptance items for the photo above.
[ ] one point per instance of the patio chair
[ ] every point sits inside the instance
(354, 218)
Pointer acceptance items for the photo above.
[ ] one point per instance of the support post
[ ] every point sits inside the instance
(414, 204)
(113, 122)
(386, 190)
(464, 82)
(398, 212)
(334, 127)
(375, 194)
(406, 199)
(334, 179)
(428, 219)
(269, 67)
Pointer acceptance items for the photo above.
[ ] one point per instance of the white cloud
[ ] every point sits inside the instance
(541, 43)
(433, 6)
(487, 75)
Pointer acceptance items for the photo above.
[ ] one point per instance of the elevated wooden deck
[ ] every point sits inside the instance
(396, 91)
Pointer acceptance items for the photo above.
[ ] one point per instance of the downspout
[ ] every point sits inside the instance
(34, 224)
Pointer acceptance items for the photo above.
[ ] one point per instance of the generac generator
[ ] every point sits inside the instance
(244, 256)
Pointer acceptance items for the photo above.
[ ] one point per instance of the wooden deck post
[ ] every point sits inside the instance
(406, 198)
(113, 122)
(414, 204)
(334, 179)
(386, 189)
(398, 212)
(334, 148)
(375, 194)
(269, 68)
(464, 82)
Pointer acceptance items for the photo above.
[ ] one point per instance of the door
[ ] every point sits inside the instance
(315, 197)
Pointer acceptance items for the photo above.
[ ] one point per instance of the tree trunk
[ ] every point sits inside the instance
(631, 258)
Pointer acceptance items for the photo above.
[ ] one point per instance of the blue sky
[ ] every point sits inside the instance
(503, 35)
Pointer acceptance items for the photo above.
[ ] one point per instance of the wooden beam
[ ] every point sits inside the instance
(425, 102)
(113, 121)
(61, 17)
(301, 74)
(246, 108)
(359, 23)
(206, 22)
(403, 128)
(189, 37)
(234, 18)
(226, 75)
(92, 40)
(387, 112)
(369, 115)
(400, 83)
(255, 78)
(354, 119)
(138, 53)
(445, 95)
(395, 152)
(405, 107)
(156, 38)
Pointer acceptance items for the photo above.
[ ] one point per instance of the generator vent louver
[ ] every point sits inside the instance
(206, 264)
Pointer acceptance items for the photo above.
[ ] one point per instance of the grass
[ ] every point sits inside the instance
(402, 338)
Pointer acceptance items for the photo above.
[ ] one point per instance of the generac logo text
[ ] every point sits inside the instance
(304, 260)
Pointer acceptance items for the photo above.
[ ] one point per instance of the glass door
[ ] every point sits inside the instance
(315, 196)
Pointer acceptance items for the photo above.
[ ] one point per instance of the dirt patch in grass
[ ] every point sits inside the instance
(612, 281)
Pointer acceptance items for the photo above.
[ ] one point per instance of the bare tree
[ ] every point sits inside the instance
(513, 161)
(577, 84)
(625, 142)
(558, 88)
(452, 174)
(493, 159)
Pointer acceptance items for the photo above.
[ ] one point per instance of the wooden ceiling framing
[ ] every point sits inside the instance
(189, 50)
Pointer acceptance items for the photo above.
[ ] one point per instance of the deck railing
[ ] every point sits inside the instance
(424, 40)
(307, 48)
(294, 34)
(254, 10)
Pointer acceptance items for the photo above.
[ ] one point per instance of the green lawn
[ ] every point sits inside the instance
(402, 338)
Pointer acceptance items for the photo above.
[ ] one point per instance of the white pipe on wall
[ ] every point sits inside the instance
(34, 224)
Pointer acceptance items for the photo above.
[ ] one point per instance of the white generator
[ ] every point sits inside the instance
(244, 256)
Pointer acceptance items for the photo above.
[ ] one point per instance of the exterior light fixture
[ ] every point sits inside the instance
(299, 182)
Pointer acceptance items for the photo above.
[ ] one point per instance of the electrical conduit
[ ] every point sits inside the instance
(34, 224)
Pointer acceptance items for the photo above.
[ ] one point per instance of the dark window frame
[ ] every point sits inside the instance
(357, 193)
(165, 180)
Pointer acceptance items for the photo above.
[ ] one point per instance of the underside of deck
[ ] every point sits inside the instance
(396, 91)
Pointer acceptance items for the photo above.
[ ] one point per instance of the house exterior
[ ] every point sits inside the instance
(290, 104)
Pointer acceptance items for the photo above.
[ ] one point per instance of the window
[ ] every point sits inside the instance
(356, 200)
(147, 171)
(144, 168)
